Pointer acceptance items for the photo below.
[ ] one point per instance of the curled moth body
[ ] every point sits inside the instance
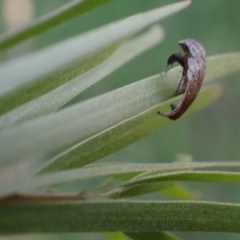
(193, 63)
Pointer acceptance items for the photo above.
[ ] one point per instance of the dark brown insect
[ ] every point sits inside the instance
(193, 63)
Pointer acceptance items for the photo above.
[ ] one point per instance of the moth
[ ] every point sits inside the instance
(193, 62)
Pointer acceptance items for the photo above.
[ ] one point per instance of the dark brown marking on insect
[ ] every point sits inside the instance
(193, 63)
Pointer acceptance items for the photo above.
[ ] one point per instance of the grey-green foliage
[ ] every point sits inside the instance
(145, 173)
(51, 102)
(32, 125)
(61, 15)
(126, 216)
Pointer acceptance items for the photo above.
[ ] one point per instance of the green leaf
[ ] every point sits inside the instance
(55, 99)
(90, 171)
(65, 13)
(46, 134)
(127, 131)
(178, 191)
(150, 183)
(167, 188)
(52, 81)
(151, 236)
(188, 175)
(136, 190)
(222, 65)
(125, 216)
(15, 74)
(116, 170)
(115, 236)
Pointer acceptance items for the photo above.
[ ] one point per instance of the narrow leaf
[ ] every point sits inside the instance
(55, 99)
(178, 191)
(138, 189)
(124, 133)
(150, 183)
(115, 236)
(167, 188)
(222, 65)
(125, 216)
(128, 132)
(188, 175)
(52, 81)
(151, 235)
(65, 13)
(103, 170)
(15, 74)
(46, 134)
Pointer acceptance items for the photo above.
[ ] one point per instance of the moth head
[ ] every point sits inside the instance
(193, 48)
(184, 45)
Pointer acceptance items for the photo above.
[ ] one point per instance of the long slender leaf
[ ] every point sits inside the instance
(55, 80)
(152, 236)
(221, 65)
(188, 175)
(178, 191)
(126, 216)
(88, 118)
(128, 131)
(46, 134)
(58, 16)
(122, 134)
(115, 236)
(104, 170)
(153, 183)
(55, 99)
(137, 190)
(16, 74)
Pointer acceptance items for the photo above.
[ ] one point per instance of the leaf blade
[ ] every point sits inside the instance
(115, 236)
(56, 17)
(215, 69)
(126, 216)
(120, 135)
(152, 236)
(156, 182)
(55, 99)
(127, 101)
(103, 170)
(16, 74)
(44, 135)
(54, 80)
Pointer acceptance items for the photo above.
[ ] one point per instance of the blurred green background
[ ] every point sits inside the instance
(212, 134)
